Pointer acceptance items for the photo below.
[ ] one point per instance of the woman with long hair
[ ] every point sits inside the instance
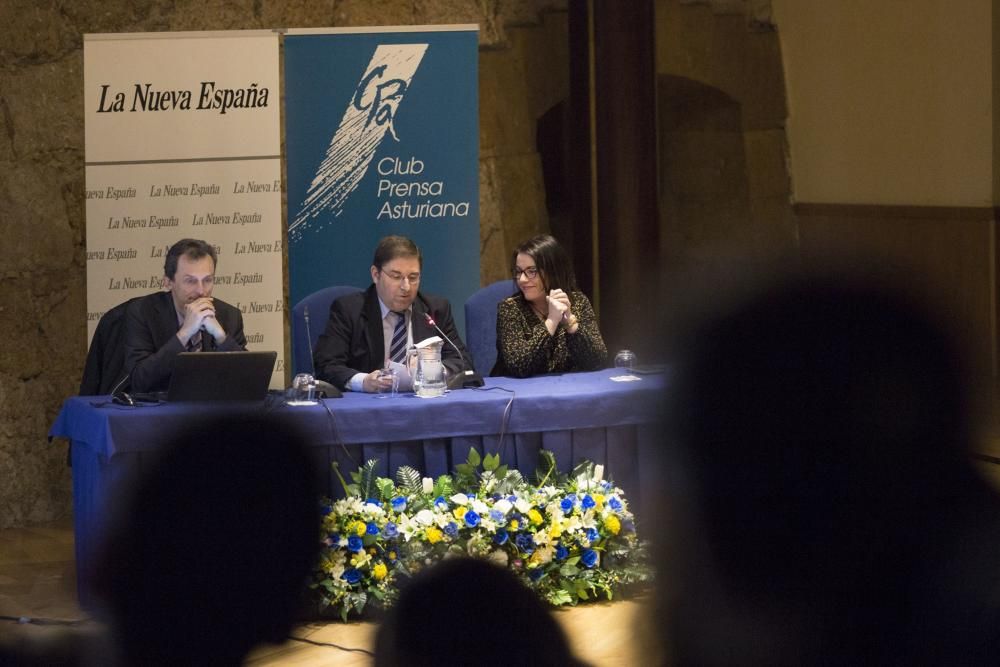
(548, 326)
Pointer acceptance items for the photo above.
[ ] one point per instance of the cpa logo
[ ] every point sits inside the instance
(384, 96)
(368, 118)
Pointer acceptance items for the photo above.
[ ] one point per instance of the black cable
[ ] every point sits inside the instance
(505, 419)
(30, 620)
(331, 645)
(336, 433)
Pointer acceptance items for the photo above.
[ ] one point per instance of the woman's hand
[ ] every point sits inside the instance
(558, 305)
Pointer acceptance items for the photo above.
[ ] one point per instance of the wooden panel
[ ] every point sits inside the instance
(944, 254)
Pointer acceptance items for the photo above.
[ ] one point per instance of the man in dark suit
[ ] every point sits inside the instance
(370, 328)
(186, 318)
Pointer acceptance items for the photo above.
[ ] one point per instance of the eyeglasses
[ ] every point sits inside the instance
(398, 277)
(531, 272)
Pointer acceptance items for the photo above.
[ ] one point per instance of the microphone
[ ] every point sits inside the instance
(309, 339)
(468, 377)
(322, 388)
(120, 383)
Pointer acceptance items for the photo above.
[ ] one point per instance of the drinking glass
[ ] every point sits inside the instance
(625, 359)
(302, 391)
(388, 389)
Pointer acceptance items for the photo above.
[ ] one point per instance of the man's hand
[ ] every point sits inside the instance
(200, 314)
(372, 382)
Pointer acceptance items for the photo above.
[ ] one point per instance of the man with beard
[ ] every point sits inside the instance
(184, 318)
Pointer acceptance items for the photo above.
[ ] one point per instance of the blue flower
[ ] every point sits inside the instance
(451, 529)
(588, 558)
(325, 509)
(441, 502)
(398, 504)
(588, 502)
(615, 504)
(606, 485)
(535, 574)
(354, 543)
(371, 528)
(334, 538)
(628, 526)
(592, 535)
(512, 498)
(567, 503)
(501, 536)
(496, 515)
(374, 501)
(390, 531)
(472, 518)
(561, 552)
(524, 542)
(351, 576)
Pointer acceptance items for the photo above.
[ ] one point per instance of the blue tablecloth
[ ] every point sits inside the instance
(576, 416)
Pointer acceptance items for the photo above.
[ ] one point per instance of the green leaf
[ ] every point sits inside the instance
(465, 469)
(409, 480)
(491, 461)
(366, 485)
(474, 460)
(559, 597)
(386, 488)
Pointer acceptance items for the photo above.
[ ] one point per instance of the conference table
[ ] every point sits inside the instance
(602, 416)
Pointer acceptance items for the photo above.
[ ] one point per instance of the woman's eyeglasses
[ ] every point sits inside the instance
(531, 272)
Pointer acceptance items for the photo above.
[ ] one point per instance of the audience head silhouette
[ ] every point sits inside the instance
(822, 507)
(465, 611)
(212, 550)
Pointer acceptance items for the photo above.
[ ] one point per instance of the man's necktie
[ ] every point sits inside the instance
(397, 351)
(194, 343)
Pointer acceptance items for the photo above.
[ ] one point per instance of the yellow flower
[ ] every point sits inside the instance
(391, 555)
(433, 535)
(612, 524)
(379, 571)
(534, 516)
(555, 530)
(360, 528)
(599, 500)
(371, 550)
(459, 512)
(513, 525)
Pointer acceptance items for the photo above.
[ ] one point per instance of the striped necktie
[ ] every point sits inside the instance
(397, 350)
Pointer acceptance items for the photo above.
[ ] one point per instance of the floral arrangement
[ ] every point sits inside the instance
(570, 537)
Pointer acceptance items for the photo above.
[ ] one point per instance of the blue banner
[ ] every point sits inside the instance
(382, 137)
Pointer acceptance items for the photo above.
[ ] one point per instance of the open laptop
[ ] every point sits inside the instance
(221, 376)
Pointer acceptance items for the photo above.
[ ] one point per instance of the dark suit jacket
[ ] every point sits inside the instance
(353, 342)
(104, 370)
(151, 342)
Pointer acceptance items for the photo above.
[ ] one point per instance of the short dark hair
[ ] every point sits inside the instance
(551, 259)
(192, 249)
(391, 247)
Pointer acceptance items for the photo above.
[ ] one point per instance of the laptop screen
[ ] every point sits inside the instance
(221, 376)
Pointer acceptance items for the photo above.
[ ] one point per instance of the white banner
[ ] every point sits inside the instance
(183, 141)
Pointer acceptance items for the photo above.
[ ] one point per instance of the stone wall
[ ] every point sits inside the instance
(42, 216)
(725, 191)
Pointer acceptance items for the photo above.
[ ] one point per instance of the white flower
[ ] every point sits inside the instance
(522, 505)
(424, 517)
(545, 554)
(428, 485)
(499, 557)
(480, 508)
(460, 499)
(541, 537)
(488, 524)
(503, 505)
